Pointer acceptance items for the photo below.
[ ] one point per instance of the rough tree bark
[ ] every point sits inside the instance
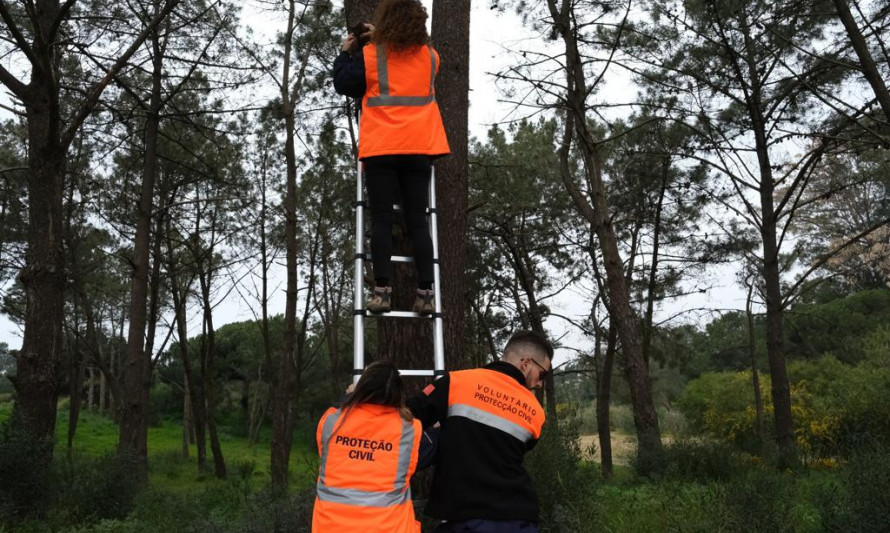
(451, 38)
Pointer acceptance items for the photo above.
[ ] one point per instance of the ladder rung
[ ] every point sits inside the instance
(394, 259)
(398, 314)
(398, 209)
(429, 373)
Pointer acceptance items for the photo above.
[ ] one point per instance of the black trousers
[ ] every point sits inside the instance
(487, 526)
(403, 179)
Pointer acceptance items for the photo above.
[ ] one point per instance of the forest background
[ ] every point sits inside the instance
(162, 158)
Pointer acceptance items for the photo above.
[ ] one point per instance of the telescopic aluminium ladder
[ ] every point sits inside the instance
(359, 310)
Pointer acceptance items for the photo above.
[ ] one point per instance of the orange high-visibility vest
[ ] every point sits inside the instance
(366, 465)
(496, 400)
(399, 110)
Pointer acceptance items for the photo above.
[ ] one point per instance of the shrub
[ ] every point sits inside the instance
(24, 482)
(877, 348)
(672, 421)
(722, 405)
(169, 463)
(621, 418)
(828, 494)
(700, 460)
(760, 500)
(566, 487)
(90, 488)
(665, 506)
(867, 477)
(264, 512)
(835, 407)
(864, 419)
(586, 415)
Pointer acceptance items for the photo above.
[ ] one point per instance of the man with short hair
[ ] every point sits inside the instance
(490, 419)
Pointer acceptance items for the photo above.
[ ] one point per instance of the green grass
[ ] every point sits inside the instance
(169, 471)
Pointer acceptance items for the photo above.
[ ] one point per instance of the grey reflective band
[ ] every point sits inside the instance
(406, 446)
(363, 498)
(491, 420)
(326, 433)
(405, 101)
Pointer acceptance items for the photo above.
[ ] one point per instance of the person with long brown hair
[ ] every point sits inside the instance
(400, 133)
(369, 448)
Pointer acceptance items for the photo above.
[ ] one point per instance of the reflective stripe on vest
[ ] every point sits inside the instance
(363, 498)
(497, 422)
(399, 495)
(383, 80)
(405, 447)
(326, 433)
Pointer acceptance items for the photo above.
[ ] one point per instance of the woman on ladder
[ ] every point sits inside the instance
(369, 448)
(401, 131)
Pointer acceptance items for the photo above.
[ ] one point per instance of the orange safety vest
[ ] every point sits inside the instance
(496, 400)
(366, 465)
(399, 110)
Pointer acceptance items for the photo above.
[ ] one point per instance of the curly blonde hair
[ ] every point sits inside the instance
(400, 24)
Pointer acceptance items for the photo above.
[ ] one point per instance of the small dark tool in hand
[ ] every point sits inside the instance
(361, 33)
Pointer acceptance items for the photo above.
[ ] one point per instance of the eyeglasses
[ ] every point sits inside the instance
(544, 371)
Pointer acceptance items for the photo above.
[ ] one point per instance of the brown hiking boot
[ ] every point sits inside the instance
(381, 300)
(425, 303)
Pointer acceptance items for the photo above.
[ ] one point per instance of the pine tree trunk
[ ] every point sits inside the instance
(603, 401)
(755, 375)
(283, 383)
(595, 210)
(781, 390)
(358, 11)
(37, 373)
(102, 393)
(75, 385)
(191, 384)
(186, 418)
(533, 319)
(451, 38)
(133, 409)
(91, 391)
(209, 357)
(653, 267)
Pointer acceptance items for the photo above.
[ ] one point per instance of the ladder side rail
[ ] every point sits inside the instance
(358, 341)
(438, 334)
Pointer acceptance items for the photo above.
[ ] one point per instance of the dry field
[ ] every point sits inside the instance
(623, 447)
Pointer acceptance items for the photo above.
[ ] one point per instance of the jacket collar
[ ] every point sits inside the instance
(506, 368)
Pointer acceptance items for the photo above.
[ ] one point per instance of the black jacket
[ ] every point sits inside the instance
(349, 74)
(479, 472)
